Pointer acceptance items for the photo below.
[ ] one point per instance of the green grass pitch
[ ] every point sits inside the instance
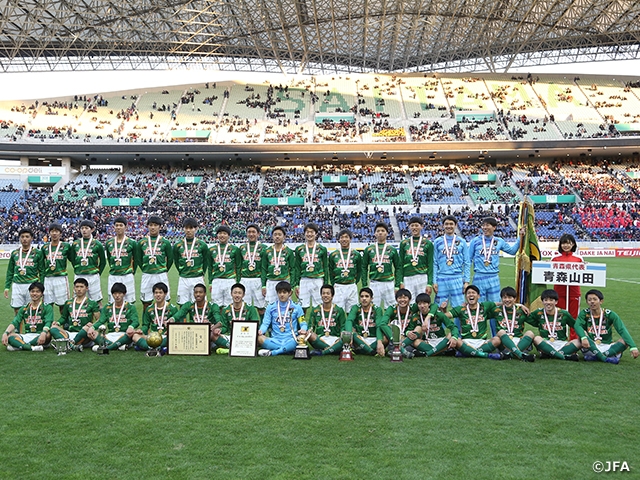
(128, 416)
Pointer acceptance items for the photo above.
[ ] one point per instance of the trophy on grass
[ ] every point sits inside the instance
(102, 343)
(345, 354)
(61, 345)
(396, 353)
(302, 350)
(154, 340)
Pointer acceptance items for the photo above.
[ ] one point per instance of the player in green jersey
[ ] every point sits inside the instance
(416, 256)
(552, 322)
(431, 329)
(326, 324)
(238, 311)
(77, 313)
(251, 253)
(365, 320)
(345, 270)
(120, 320)
(311, 268)
(89, 260)
(381, 268)
(402, 315)
(121, 255)
(598, 324)
(155, 257)
(225, 264)
(202, 311)
(191, 257)
(56, 255)
(25, 267)
(30, 328)
(155, 318)
(277, 264)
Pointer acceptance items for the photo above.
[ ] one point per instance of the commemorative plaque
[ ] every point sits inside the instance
(188, 339)
(244, 339)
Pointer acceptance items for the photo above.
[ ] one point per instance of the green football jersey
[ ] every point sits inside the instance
(88, 257)
(435, 324)
(406, 321)
(24, 267)
(365, 323)
(603, 330)
(154, 319)
(474, 320)
(310, 263)
(191, 257)
(285, 262)
(76, 315)
(225, 261)
(251, 255)
(33, 320)
(209, 312)
(56, 258)
(154, 254)
(416, 256)
(345, 268)
(248, 313)
(121, 255)
(513, 323)
(547, 324)
(118, 319)
(381, 262)
(332, 321)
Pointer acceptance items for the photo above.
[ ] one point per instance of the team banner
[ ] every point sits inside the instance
(569, 273)
(528, 292)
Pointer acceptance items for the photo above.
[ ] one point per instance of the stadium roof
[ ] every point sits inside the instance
(314, 36)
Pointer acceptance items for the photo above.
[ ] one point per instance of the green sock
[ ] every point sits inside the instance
(524, 343)
(487, 347)
(362, 345)
(593, 348)
(568, 349)
(123, 340)
(335, 348)
(386, 331)
(57, 333)
(426, 348)
(222, 342)
(545, 347)
(407, 341)
(319, 344)
(81, 336)
(508, 343)
(142, 343)
(441, 347)
(19, 343)
(472, 352)
(615, 349)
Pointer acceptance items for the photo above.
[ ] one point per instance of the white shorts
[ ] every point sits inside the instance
(369, 340)
(329, 340)
(346, 296)
(434, 342)
(56, 290)
(185, 289)
(20, 294)
(129, 282)
(310, 292)
(416, 284)
(474, 342)
(272, 295)
(383, 292)
(221, 291)
(603, 347)
(95, 290)
(147, 282)
(28, 337)
(253, 292)
(114, 336)
(557, 344)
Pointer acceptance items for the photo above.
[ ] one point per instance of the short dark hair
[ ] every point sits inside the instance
(328, 287)
(508, 292)
(450, 218)
(190, 222)
(381, 225)
(595, 292)
(38, 285)
(118, 287)
(120, 219)
(403, 292)
(155, 219)
(253, 225)
(26, 230)
(160, 286)
(55, 226)
(87, 223)
(281, 228)
(366, 290)
(312, 226)
(551, 294)
(423, 297)
(345, 231)
(81, 280)
(283, 285)
(472, 287)
(200, 285)
(223, 228)
(491, 221)
(567, 237)
(416, 219)
(238, 285)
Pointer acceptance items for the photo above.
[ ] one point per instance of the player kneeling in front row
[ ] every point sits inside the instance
(238, 311)
(510, 319)
(34, 320)
(401, 315)
(365, 319)
(431, 324)
(326, 324)
(120, 320)
(286, 321)
(155, 318)
(77, 313)
(552, 322)
(597, 323)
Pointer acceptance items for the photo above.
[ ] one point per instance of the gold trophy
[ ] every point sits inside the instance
(396, 353)
(102, 345)
(154, 340)
(345, 354)
(302, 350)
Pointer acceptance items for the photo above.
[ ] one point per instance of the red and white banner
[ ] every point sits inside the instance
(628, 252)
